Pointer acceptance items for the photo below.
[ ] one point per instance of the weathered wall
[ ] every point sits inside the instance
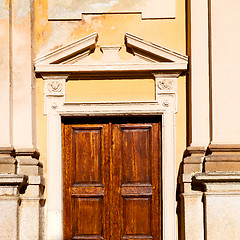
(111, 29)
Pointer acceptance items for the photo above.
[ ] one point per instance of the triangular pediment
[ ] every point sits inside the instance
(152, 50)
(141, 53)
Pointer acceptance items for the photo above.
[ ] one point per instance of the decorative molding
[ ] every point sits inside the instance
(12, 179)
(196, 150)
(33, 152)
(139, 45)
(152, 9)
(74, 58)
(224, 147)
(6, 150)
(166, 103)
(165, 84)
(217, 181)
(212, 177)
(91, 68)
(55, 86)
(11, 184)
(61, 54)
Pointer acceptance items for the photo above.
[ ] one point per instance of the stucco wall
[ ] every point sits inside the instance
(111, 29)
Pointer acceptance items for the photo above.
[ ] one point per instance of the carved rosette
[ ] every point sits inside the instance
(55, 86)
(165, 84)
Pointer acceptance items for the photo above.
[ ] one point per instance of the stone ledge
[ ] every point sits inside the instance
(33, 152)
(217, 182)
(32, 199)
(217, 177)
(12, 179)
(196, 150)
(6, 150)
(224, 148)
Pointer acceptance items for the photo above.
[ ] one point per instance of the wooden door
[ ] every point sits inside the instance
(112, 179)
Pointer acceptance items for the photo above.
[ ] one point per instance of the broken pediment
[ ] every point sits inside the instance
(145, 56)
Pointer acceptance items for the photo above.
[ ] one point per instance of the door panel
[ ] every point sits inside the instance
(112, 182)
(86, 172)
(135, 159)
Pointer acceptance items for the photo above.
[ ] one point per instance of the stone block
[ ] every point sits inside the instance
(9, 218)
(222, 216)
(192, 168)
(222, 166)
(28, 170)
(33, 191)
(7, 168)
(8, 191)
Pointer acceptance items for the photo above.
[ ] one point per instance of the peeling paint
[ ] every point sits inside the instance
(4, 9)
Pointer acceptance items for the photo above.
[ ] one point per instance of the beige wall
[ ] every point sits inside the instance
(225, 70)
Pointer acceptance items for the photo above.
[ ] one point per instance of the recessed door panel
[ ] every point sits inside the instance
(136, 200)
(87, 142)
(86, 175)
(135, 152)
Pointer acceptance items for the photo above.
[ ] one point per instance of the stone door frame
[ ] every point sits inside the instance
(55, 108)
(55, 68)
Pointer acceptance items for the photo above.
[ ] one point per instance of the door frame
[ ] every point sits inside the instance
(110, 132)
(56, 108)
(56, 66)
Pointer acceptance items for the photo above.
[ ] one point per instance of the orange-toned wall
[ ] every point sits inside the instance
(111, 29)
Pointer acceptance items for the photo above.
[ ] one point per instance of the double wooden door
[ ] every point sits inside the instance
(112, 179)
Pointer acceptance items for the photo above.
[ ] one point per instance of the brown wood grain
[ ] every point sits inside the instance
(112, 179)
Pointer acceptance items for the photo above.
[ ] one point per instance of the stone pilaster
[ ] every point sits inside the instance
(32, 201)
(10, 185)
(191, 199)
(31, 210)
(192, 163)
